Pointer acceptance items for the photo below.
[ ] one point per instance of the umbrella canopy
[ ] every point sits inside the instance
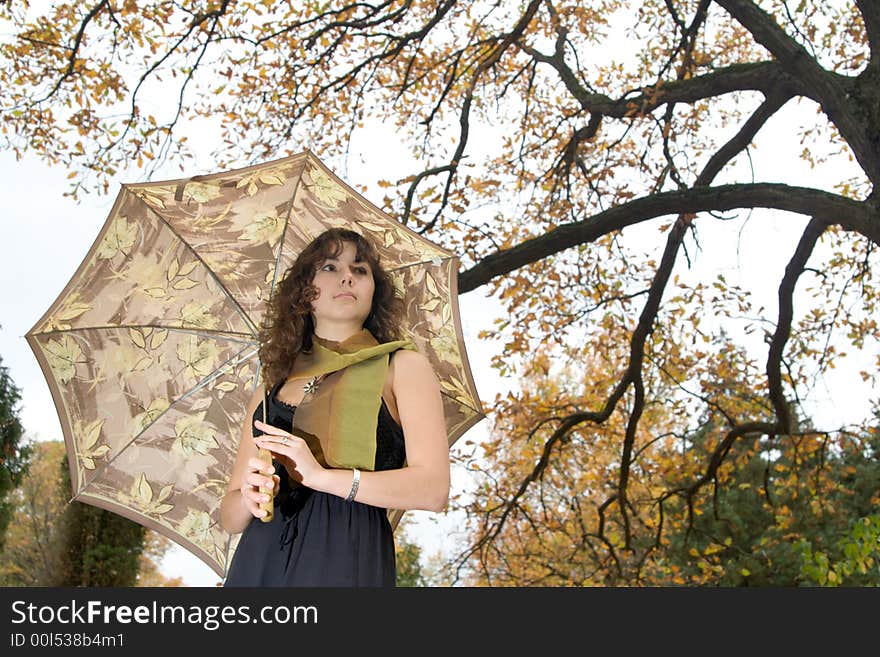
(151, 353)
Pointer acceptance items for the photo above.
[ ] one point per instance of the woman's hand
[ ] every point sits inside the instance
(292, 451)
(258, 475)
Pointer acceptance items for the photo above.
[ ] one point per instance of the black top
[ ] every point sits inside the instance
(390, 444)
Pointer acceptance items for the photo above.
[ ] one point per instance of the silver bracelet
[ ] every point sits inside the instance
(355, 482)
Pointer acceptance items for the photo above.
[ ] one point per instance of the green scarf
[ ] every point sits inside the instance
(338, 418)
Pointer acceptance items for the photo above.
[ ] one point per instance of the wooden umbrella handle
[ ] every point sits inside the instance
(266, 456)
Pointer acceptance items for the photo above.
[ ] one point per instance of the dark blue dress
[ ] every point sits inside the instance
(315, 538)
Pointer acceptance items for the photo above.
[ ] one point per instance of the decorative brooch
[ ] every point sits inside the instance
(310, 387)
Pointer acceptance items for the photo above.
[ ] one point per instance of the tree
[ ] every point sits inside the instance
(30, 556)
(555, 528)
(14, 452)
(796, 510)
(800, 501)
(96, 547)
(155, 546)
(34, 553)
(575, 179)
(409, 570)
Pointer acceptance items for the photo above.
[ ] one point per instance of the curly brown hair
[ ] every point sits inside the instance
(287, 326)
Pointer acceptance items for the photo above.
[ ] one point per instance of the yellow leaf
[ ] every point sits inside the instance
(158, 338)
(142, 364)
(187, 268)
(73, 310)
(137, 338)
(432, 286)
(91, 433)
(143, 492)
(184, 284)
(165, 493)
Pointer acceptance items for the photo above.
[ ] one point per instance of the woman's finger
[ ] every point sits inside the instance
(282, 447)
(251, 500)
(256, 480)
(259, 465)
(269, 429)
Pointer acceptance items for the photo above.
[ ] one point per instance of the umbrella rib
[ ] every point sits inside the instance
(217, 372)
(284, 233)
(220, 335)
(416, 264)
(458, 401)
(201, 384)
(210, 271)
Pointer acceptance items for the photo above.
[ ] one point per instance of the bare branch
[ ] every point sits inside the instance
(783, 326)
(74, 49)
(464, 119)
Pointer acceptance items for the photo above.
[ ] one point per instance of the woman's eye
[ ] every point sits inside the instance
(361, 270)
(328, 265)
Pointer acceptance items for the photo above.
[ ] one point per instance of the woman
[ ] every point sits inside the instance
(362, 400)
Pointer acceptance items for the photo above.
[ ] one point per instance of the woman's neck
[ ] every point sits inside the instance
(337, 333)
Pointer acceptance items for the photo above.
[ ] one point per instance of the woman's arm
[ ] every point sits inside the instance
(423, 483)
(242, 498)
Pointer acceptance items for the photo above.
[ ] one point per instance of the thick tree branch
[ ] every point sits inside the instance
(767, 77)
(838, 95)
(852, 215)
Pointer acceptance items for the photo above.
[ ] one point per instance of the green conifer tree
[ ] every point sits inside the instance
(97, 547)
(14, 455)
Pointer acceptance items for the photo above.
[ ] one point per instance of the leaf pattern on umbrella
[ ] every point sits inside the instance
(119, 239)
(63, 356)
(326, 189)
(265, 226)
(198, 527)
(202, 192)
(142, 420)
(89, 447)
(193, 435)
(141, 496)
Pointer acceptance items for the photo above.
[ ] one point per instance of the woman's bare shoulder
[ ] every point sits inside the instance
(410, 365)
(256, 398)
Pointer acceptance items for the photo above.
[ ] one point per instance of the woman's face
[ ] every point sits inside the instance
(345, 288)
